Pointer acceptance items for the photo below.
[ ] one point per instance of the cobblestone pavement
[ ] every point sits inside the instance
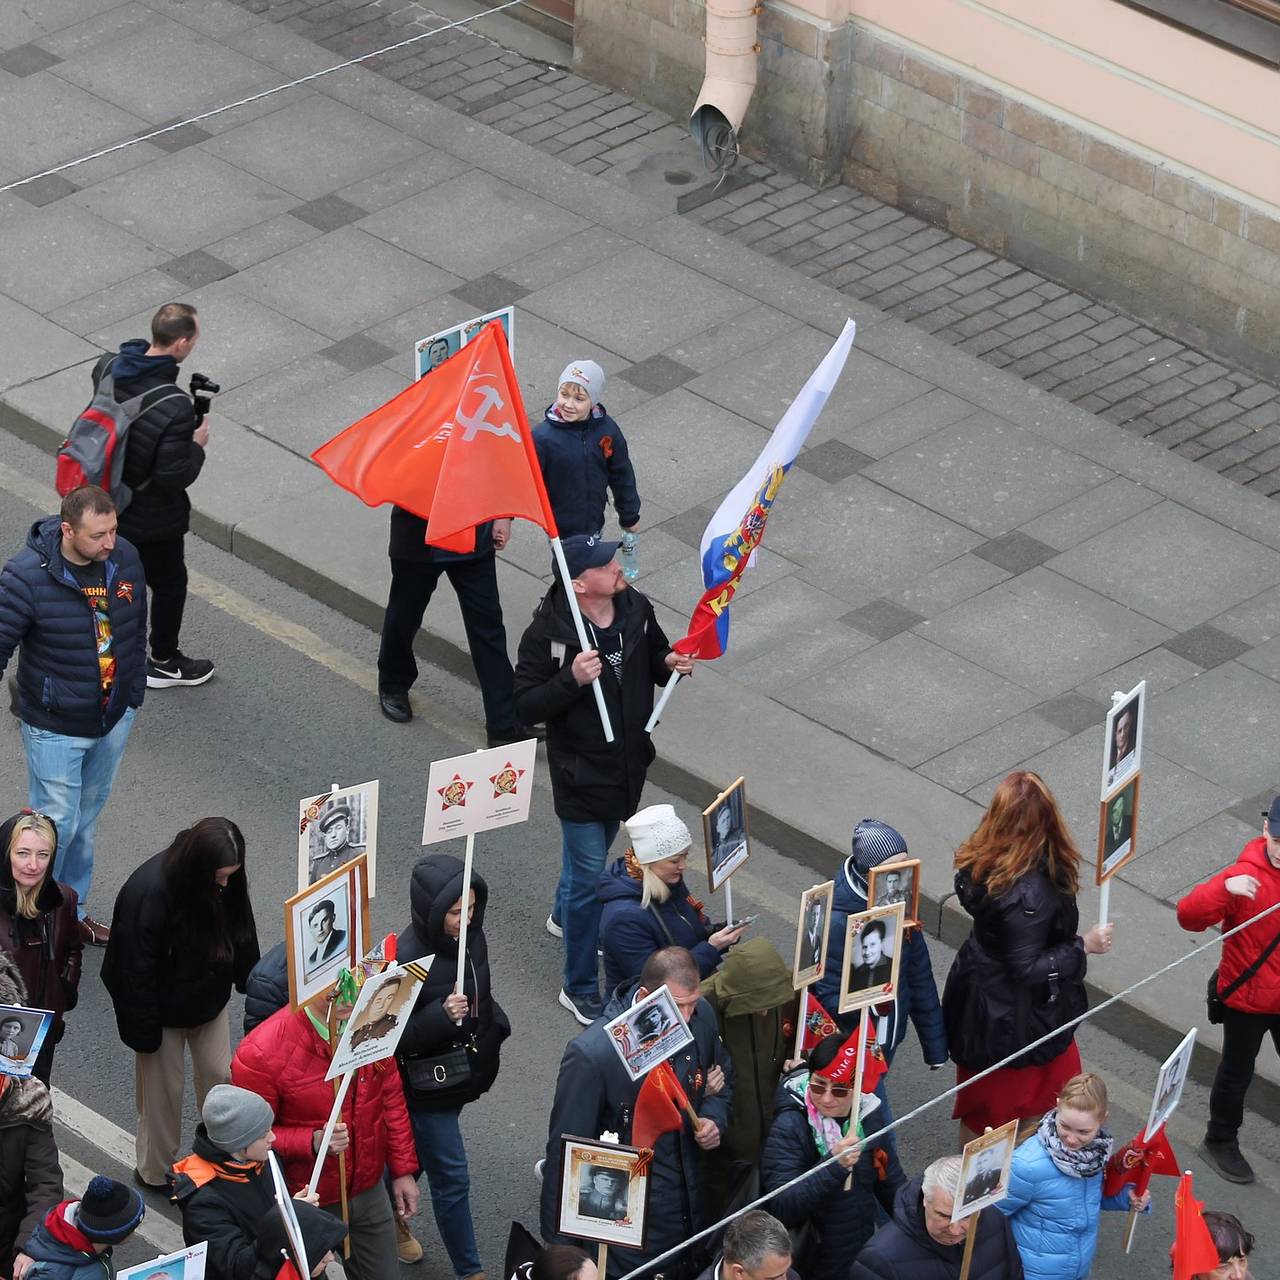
(1016, 319)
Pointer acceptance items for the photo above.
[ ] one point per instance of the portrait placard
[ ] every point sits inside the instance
(326, 929)
(289, 1216)
(379, 1016)
(984, 1170)
(1118, 828)
(603, 1192)
(1122, 743)
(479, 792)
(872, 951)
(892, 882)
(22, 1036)
(648, 1032)
(724, 827)
(436, 348)
(813, 934)
(184, 1264)
(1169, 1083)
(335, 827)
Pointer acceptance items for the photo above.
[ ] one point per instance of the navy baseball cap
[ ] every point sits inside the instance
(585, 551)
(1272, 816)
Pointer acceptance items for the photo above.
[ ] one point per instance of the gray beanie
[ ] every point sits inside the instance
(233, 1118)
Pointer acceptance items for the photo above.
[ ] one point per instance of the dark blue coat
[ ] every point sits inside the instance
(54, 1260)
(580, 461)
(594, 1093)
(917, 995)
(630, 933)
(43, 609)
(844, 1220)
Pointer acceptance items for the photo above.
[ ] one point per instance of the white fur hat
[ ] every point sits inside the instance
(657, 833)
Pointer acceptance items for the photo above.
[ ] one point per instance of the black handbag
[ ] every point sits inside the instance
(1215, 1001)
(437, 1072)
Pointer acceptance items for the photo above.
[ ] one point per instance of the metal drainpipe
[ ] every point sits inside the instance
(732, 57)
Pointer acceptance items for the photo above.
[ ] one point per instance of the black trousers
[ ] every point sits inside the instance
(166, 568)
(1242, 1037)
(475, 582)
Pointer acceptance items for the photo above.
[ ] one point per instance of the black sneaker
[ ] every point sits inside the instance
(1225, 1157)
(164, 673)
(585, 1008)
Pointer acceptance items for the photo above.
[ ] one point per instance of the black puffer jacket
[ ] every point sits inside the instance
(153, 981)
(43, 609)
(161, 460)
(903, 1250)
(844, 1220)
(1019, 974)
(591, 780)
(408, 541)
(267, 987)
(435, 886)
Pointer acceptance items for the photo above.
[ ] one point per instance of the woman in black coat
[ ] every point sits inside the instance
(182, 934)
(38, 925)
(449, 1052)
(1020, 973)
(812, 1121)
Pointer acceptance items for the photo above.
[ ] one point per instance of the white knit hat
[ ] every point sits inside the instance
(657, 833)
(586, 374)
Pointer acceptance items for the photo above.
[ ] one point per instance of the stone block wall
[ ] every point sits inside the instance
(836, 100)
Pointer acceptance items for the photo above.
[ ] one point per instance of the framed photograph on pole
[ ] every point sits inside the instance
(872, 953)
(603, 1192)
(1122, 745)
(813, 934)
(326, 928)
(724, 827)
(1118, 828)
(984, 1170)
(335, 827)
(894, 882)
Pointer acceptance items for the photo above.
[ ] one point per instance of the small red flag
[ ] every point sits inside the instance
(1193, 1249)
(843, 1067)
(818, 1023)
(658, 1106)
(454, 448)
(1137, 1160)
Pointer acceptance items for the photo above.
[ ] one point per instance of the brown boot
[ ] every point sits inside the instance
(407, 1248)
(478, 1275)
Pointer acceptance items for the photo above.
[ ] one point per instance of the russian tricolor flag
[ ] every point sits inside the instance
(737, 527)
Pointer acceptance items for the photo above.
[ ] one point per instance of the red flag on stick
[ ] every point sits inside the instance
(454, 448)
(818, 1023)
(1137, 1160)
(1193, 1249)
(843, 1069)
(659, 1106)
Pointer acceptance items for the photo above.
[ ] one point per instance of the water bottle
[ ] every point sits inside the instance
(628, 558)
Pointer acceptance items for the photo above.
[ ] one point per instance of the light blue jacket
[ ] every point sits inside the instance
(1054, 1215)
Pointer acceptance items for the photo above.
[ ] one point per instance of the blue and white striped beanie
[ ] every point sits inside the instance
(875, 842)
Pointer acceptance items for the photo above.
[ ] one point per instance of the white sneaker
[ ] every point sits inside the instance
(554, 929)
(537, 1170)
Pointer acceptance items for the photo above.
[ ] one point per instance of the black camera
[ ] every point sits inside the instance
(203, 389)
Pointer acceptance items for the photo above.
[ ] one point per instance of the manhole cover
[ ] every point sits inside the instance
(678, 177)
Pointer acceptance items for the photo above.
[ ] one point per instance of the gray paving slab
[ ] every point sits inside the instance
(909, 699)
(1002, 748)
(1044, 632)
(907, 422)
(1093, 512)
(96, 311)
(48, 120)
(30, 345)
(986, 473)
(1161, 670)
(1172, 564)
(946, 586)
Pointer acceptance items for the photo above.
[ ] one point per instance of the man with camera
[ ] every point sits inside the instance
(164, 452)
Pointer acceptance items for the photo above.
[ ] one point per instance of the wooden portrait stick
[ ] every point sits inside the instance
(864, 1018)
(602, 1258)
(971, 1234)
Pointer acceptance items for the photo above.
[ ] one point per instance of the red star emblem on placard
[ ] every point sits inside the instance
(505, 780)
(455, 792)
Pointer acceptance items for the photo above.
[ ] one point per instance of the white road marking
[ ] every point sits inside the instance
(106, 1136)
(156, 1230)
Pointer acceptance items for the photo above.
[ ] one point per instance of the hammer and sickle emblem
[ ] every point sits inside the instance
(478, 420)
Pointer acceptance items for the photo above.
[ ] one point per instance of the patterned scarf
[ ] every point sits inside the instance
(1087, 1162)
(826, 1130)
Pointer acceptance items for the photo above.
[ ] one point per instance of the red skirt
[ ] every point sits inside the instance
(1013, 1093)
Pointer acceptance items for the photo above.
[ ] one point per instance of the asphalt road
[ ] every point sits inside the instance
(292, 710)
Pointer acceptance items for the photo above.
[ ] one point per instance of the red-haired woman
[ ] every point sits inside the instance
(1020, 973)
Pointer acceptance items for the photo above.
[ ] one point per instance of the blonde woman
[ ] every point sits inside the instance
(648, 906)
(38, 925)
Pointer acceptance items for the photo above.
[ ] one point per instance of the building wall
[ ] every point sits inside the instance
(1116, 153)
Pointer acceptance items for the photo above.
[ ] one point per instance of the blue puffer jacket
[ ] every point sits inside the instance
(630, 933)
(43, 609)
(845, 1220)
(580, 461)
(917, 996)
(53, 1259)
(1054, 1216)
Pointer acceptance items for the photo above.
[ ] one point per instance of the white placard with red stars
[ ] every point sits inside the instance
(479, 792)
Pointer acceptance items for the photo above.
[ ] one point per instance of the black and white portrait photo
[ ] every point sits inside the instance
(602, 1192)
(873, 945)
(326, 928)
(984, 1170)
(1118, 829)
(812, 931)
(725, 828)
(1169, 1083)
(896, 882)
(335, 827)
(22, 1035)
(1122, 754)
(648, 1032)
(326, 938)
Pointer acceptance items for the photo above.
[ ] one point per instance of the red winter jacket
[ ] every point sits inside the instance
(1210, 903)
(284, 1061)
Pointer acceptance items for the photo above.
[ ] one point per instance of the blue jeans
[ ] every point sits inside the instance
(585, 846)
(69, 779)
(444, 1161)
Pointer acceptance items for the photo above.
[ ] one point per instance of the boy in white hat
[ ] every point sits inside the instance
(583, 455)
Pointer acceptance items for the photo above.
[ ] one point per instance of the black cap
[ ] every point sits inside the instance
(338, 812)
(1272, 816)
(585, 551)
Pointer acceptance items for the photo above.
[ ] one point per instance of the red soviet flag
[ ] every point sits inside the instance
(1137, 1160)
(1194, 1252)
(658, 1106)
(454, 448)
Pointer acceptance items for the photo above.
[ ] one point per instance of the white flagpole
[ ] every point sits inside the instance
(458, 987)
(323, 1149)
(667, 690)
(558, 551)
(1104, 902)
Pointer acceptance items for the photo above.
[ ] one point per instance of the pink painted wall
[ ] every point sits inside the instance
(1207, 110)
